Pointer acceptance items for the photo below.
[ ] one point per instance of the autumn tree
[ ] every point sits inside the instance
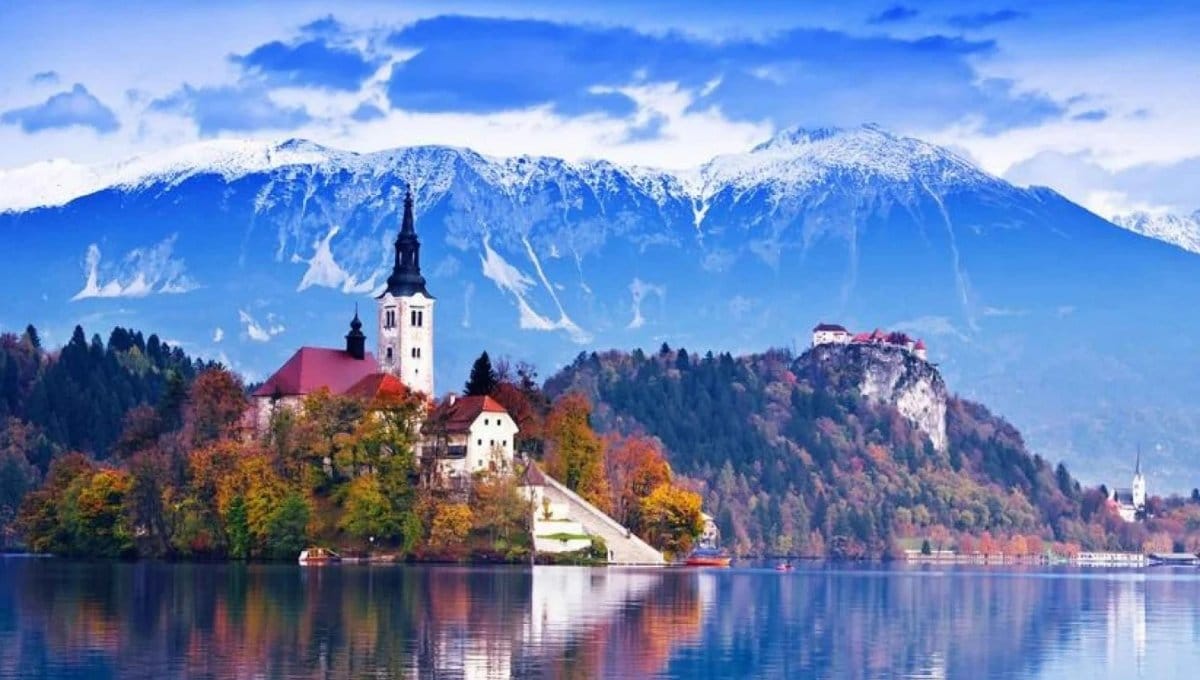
(635, 467)
(671, 518)
(501, 515)
(450, 526)
(575, 454)
(215, 406)
(94, 514)
(43, 519)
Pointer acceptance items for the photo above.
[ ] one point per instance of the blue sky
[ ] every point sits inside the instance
(1096, 99)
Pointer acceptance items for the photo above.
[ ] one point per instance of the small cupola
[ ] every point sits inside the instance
(356, 340)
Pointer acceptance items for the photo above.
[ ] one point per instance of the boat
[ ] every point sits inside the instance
(707, 557)
(319, 556)
(1173, 559)
(783, 566)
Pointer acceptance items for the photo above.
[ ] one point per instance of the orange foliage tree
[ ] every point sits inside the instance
(635, 467)
(575, 453)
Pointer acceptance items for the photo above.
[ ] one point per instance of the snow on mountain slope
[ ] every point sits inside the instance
(1179, 230)
(542, 258)
(795, 158)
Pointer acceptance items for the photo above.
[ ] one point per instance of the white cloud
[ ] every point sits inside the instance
(141, 272)
(260, 332)
(218, 334)
(1004, 311)
(639, 289)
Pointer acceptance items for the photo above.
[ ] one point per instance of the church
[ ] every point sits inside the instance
(1130, 503)
(403, 361)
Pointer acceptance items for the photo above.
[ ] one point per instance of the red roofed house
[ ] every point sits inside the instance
(313, 368)
(468, 435)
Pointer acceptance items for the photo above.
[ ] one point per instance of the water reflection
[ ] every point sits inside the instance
(69, 619)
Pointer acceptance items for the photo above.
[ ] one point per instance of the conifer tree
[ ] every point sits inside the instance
(483, 377)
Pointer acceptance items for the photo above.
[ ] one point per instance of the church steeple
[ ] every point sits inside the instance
(356, 340)
(406, 278)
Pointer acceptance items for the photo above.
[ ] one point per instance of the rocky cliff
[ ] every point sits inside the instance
(883, 374)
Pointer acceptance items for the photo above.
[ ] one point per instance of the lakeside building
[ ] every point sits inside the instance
(1130, 502)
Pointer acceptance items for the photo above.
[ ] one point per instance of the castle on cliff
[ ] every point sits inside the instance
(834, 334)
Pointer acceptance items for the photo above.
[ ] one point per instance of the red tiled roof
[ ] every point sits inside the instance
(312, 368)
(862, 337)
(378, 385)
(920, 345)
(458, 416)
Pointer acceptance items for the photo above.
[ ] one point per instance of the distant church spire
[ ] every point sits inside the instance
(406, 278)
(1137, 467)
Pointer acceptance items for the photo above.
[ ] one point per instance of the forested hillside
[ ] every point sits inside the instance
(791, 458)
(76, 399)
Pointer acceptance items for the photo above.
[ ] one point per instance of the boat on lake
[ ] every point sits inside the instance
(319, 556)
(1174, 559)
(708, 557)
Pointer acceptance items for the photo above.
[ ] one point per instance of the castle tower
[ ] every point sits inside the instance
(1138, 488)
(406, 313)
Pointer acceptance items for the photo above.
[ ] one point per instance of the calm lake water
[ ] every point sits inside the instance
(153, 620)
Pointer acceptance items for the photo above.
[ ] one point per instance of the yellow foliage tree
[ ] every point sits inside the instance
(671, 518)
(451, 524)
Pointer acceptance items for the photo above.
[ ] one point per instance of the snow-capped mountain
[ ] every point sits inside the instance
(245, 250)
(1179, 230)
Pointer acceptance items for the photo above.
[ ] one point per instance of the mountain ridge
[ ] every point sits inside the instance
(540, 257)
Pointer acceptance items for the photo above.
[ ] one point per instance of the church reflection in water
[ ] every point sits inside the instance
(61, 618)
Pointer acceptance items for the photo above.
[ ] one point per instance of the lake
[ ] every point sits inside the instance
(60, 618)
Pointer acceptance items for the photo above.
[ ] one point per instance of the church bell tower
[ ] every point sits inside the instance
(406, 313)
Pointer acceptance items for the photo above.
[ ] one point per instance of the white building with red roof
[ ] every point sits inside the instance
(469, 434)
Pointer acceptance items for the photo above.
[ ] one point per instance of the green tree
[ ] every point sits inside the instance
(482, 380)
(287, 530)
(367, 513)
(237, 528)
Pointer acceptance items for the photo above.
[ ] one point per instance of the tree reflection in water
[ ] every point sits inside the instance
(231, 621)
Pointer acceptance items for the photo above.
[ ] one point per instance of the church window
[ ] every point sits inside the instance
(389, 317)
(479, 442)
(416, 317)
(416, 352)
(389, 354)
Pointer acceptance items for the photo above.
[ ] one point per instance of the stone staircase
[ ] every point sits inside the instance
(624, 548)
